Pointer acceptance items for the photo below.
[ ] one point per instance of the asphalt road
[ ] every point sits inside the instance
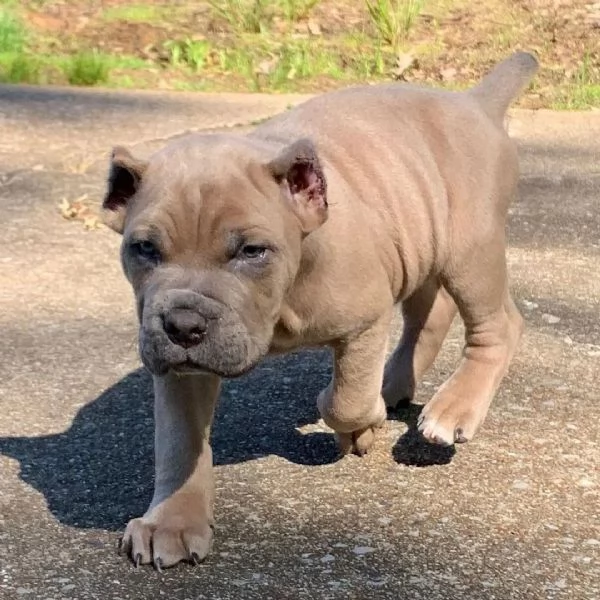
(513, 515)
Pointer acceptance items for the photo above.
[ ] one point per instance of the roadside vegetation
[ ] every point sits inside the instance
(300, 45)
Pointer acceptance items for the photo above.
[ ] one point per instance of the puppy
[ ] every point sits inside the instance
(309, 231)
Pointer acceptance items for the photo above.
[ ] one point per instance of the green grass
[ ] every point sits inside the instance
(281, 67)
(136, 13)
(303, 60)
(256, 16)
(87, 68)
(296, 10)
(191, 53)
(13, 34)
(577, 97)
(243, 16)
(583, 91)
(393, 19)
(20, 68)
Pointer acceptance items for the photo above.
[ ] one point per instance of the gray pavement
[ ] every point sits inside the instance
(514, 514)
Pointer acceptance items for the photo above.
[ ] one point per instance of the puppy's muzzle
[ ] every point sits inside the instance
(185, 327)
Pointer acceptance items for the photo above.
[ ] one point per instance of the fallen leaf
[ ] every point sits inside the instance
(314, 28)
(404, 63)
(448, 74)
(80, 210)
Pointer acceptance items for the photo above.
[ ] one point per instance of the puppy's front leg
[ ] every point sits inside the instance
(178, 524)
(352, 404)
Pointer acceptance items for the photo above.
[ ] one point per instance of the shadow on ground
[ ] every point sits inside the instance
(98, 473)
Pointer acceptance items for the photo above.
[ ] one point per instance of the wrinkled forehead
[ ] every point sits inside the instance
(199, 191)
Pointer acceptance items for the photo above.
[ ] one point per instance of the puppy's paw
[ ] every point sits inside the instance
(447, 420)
(358, 442)
(164, 538)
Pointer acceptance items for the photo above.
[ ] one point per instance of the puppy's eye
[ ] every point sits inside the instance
(252, 252)
(146, 250)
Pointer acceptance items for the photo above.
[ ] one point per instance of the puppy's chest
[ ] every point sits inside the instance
(295, 330)
(289, 331)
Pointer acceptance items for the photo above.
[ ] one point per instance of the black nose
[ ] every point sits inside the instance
(184, 327)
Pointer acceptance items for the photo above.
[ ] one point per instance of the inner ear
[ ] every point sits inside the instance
(299, 172)
(122, 185)
(123, 181)
(302, 176)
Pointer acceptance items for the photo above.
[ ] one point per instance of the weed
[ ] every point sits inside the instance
(243, 62)
(12, 32)
(87, 68)
(577, 97)
(368, 65)
(393, 19)
(243, 16)
(134, 13)
(584, 90)
(585, 72)
(296, 10)
(20, 68)
(188, 52)
(301, 60)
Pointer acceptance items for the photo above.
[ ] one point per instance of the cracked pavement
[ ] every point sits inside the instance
(515, 514)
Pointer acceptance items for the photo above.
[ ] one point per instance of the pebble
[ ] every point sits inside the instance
(584, 482)
(362, 550)
(550, 319)
(529, 305)
(520, 485)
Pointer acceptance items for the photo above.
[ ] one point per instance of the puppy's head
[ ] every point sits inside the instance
(212, 239)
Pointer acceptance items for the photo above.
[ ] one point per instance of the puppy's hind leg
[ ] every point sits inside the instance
(493, 327)
(427, 314)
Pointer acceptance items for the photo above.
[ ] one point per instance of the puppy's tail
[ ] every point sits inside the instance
(504, 83)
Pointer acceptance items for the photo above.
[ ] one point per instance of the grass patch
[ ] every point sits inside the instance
(303, 60)
(188, 52)
(20, 68)
(87, 68)
(12, 32)
(577, 97)
(583, 91)
(135, 13)
(394, 19)
(256, 16)
(243, 16)
(300, 63)
(296, 10)
(266, 45)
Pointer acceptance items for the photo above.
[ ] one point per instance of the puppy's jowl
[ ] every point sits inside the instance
(310, 231)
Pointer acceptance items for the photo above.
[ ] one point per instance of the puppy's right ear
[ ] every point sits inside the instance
(123, 181)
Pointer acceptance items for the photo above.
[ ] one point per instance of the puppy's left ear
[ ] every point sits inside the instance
(123, 181)
(299, 173)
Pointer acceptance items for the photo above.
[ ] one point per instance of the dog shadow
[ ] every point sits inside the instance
(411, 449)
(99, 472)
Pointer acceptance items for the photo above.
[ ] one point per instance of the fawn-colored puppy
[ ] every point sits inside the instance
(310, 231)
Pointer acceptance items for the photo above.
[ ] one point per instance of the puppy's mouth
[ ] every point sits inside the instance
(187, 339)
(227, 361)
(189, 367)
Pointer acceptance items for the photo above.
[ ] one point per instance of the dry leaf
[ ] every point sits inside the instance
(404, 63)
(448, 74)
(314, 28)
(79, 210)
(266, 66)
